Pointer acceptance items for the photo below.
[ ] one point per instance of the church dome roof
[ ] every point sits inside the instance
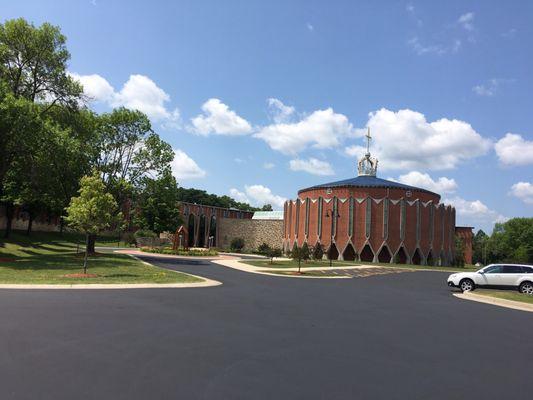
(365, 181)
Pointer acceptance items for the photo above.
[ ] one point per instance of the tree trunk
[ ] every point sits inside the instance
(86, 253)
(30, 224)
(61, 225)
(91, 239)
(9, 219)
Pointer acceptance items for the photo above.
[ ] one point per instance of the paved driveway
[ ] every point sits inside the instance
(396, 336)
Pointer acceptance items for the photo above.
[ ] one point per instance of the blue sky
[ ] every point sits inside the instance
(261, 98)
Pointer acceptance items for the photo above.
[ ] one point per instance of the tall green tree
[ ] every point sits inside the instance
(33, 63)
(157, 204)
(33, 79)
(93, 210)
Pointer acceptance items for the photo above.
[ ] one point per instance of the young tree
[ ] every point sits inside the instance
(93, 210)
(318, 252)
(273, 252)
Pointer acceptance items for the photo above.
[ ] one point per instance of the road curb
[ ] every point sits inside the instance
(515, 305)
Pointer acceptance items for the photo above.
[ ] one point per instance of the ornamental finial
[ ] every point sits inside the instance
(367, 165)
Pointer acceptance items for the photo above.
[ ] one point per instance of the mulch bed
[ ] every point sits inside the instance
(6, 259)
(80, 275)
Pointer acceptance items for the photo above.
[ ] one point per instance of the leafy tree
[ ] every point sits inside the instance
(202, 197)
(267, 207)
(33, 63)
(306, 252)
(93, 210)
(318, 252)
(459, 252)
(479, 244)
(157, 204)
(300, 253)
(511, 241)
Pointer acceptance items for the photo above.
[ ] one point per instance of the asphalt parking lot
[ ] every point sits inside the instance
(388, 336)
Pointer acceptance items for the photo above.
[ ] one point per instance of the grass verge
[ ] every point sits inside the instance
(505, 294)
(294, 264)
(45, 258)
(320, 274)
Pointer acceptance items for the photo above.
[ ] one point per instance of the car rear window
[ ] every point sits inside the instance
(512, 269)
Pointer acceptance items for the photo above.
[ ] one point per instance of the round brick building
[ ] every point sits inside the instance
(371, 219)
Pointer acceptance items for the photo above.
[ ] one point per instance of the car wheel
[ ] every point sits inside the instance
(467, 285)
(526, 288)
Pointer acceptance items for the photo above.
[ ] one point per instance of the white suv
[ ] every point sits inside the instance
(495, 276)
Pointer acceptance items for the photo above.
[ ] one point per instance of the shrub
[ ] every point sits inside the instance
(128, 238)
(271, 253)
(144, 233)
(180, 252)
(318, 252)
(305, 252)
(237, 244)
(263, 249)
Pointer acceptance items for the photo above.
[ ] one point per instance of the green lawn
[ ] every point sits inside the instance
(47, 257)
(294, 264)
(505, 294)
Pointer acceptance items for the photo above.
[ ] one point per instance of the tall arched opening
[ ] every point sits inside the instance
(401, 256)
(430, 260)
(213, 230)
(417, 258)
(333, 253)
(190, 228)
(367, 254)
(201, 231)
(349, 253)
(384, 255)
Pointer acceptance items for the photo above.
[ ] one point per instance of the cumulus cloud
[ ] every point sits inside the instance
(513, 149)
(523, 191)
(184, 167)
(490, 87)
(279, 112)
(138, 93)
(474, 212)
(218, 119)
(257, 195)
(321, 129)
(467, 21)
(441, 185)
(312, 166)
(406, 140)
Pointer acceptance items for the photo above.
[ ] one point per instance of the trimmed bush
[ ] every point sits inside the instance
(180, 252)
(144, 233)
(237, 244)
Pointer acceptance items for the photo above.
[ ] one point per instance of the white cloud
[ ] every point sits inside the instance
(422, 49)
(523, 191)
(184, 167)
(312, 166)
(322, 129)
(278, 111)
(509, 33)
(441, 185)
(490, 87)
(467, 21)
(310, 27)
(513, 149)
(95, 87)
(268, 165)
(258, 195)
(220, 120)
(405, 140)
(138, 93)
(474, 213)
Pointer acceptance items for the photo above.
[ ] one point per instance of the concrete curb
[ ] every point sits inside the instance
(515, 305)
(242, 266)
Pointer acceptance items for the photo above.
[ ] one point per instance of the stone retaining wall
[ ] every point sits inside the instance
(253, 231)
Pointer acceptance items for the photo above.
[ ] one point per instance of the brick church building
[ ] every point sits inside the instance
(371, 219)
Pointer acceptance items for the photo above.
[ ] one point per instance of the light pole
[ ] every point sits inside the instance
(334, 214)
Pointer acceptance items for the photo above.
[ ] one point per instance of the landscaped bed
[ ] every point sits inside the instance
(179, 252)
(52, 259)
(321, 274)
